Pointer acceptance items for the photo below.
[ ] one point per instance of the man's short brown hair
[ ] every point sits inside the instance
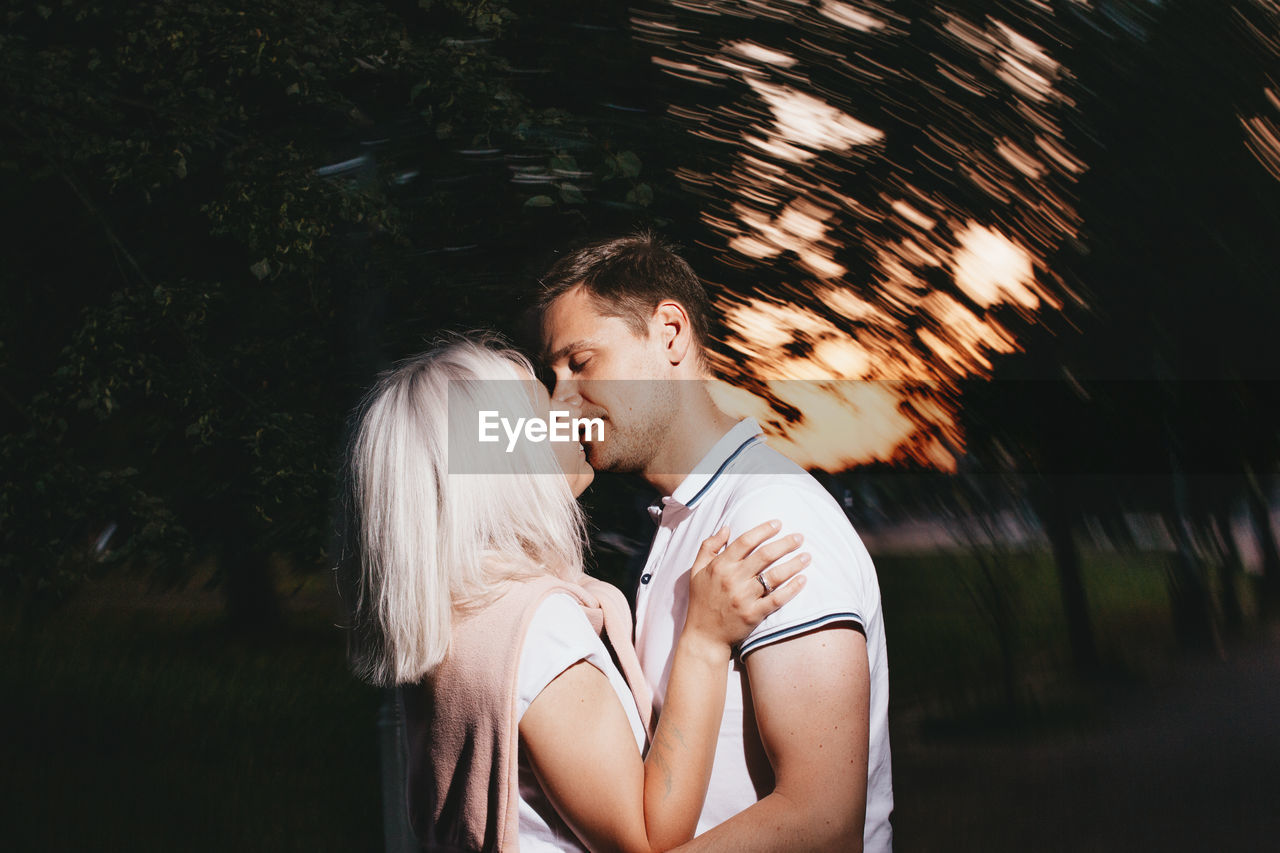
(627, 277)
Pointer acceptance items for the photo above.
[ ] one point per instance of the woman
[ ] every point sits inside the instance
(527, 724)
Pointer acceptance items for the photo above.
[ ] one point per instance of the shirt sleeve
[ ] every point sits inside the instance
(840, 585)
(559, 636)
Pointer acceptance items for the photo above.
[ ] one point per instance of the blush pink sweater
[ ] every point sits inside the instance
(461, 720)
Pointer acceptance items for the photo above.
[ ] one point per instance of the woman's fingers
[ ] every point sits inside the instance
(785, 591)
(770, 553)
(746, 543)
(779, 574)
(710, 547)
(745, 556)
(784, 582)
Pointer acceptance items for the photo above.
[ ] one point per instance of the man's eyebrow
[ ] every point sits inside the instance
(552, 358)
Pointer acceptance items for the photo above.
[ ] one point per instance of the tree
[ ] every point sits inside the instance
(1160, 390)
(170, 157)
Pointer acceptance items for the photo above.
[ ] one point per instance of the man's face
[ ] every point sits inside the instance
(600, 363)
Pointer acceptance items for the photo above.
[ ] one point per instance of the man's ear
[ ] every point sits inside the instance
(674, 331)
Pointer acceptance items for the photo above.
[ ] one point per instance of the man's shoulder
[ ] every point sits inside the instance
(765, 475)
(770, 486)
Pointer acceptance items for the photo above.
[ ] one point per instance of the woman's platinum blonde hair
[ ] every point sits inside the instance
(422, 541)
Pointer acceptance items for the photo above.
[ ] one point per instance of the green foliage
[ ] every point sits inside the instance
(199, 396)
(232, 215)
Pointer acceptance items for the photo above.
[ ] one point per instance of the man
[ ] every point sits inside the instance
(802, 761)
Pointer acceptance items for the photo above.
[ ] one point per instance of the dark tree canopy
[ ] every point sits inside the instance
(225, 218)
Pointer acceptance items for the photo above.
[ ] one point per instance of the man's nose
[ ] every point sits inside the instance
(566, 391)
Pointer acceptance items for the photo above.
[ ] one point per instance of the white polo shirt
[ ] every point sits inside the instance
(742, 482)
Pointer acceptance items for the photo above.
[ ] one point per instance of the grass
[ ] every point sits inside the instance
(945, 656)
(134, 722)
(137, 723)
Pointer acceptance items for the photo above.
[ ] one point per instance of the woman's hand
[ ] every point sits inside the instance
(732, 589)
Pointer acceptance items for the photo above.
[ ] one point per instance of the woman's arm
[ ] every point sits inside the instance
(577, 736)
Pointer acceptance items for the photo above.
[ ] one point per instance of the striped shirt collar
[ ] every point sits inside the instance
(717, 461)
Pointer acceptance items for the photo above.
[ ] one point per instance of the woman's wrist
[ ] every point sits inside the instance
(705, 646)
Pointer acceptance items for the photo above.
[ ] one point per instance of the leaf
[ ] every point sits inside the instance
(641, 195)
(540, 201)
(629, 164)
(570, 194)
(261, 269)
(564, 162)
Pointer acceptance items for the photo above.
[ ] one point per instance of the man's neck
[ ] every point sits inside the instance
(697, 428)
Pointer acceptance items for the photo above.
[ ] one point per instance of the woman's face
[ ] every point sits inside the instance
(570, 455)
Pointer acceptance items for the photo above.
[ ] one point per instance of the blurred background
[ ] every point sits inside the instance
(1003, 274)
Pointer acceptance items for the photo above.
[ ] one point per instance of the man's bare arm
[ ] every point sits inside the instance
(812, 699)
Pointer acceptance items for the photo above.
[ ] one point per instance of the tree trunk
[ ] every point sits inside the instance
(1193, 622)
(1188, 594)
(1059, 518)
(993, 598)
(1230, 567)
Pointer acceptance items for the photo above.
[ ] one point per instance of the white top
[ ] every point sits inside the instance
(559, 636)
(742, 482)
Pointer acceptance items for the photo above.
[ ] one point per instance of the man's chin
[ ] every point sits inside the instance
(601, 459)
